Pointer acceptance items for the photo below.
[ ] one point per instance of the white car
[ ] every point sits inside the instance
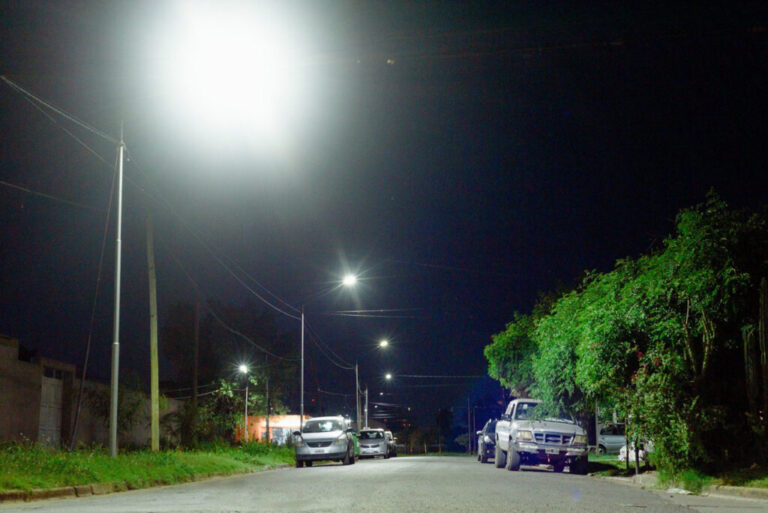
(324, 438)
(372, 443)
(611, 438)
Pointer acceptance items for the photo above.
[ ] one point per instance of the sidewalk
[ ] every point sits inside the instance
(650, 480)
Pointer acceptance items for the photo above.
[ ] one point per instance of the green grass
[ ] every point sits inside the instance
(29, 466)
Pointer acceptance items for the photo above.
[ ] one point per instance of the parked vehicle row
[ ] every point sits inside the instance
(521, 438)
(334, 439)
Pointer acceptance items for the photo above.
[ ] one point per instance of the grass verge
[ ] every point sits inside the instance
(29, 466)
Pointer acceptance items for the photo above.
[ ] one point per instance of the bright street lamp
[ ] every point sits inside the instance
(384, 343)
(350, 280)
(388, 376)
(244, 370)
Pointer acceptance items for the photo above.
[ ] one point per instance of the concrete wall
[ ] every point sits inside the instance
(20, 394)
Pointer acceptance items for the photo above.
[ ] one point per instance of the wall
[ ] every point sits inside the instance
(20, 384)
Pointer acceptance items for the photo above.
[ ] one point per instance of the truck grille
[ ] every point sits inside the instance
(318, 444)
(552, 438)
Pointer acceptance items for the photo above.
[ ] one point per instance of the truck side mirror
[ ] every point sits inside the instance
(297, 433)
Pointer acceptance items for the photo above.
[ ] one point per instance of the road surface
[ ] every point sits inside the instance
(398, 485)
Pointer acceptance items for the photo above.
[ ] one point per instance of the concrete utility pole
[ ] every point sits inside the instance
(357, 397)
(366, 407)
(116, 324)
(469, 427)
(301, 389)
(154, 373)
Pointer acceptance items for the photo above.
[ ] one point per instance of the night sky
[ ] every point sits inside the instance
(460, 157)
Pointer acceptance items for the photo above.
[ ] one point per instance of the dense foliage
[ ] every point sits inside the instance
(671, 341)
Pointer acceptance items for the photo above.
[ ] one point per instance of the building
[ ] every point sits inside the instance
(280, 428)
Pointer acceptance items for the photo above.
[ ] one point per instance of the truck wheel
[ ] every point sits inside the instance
(500, 457)
(347, 460)
(299, 463)
(513, 460)
(601, 449)
(308, 463)
(559, 466)
(482, 457)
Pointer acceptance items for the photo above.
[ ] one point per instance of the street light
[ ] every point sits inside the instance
(388, 376)
(384, 343)
(244, 370)
(349, 280)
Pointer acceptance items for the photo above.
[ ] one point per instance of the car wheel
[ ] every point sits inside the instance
(559, 466)
(299, 463)
(513, 460)
(601, 449)
(483, 457)
(307, 463)
(347, 459)
(500, 457)
(386, 455)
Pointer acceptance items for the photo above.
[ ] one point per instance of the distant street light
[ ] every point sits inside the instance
(384, 343)
(388, 376)
(244, 370)
(350, 280)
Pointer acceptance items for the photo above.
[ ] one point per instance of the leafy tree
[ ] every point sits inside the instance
(510, 356)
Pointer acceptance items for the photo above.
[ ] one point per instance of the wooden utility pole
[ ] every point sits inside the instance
(154, 374)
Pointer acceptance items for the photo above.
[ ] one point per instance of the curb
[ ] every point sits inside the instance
(723, 490)
(104, 488)
(737, 491)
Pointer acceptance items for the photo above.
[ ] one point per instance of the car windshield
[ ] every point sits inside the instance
(322, 426)
(371, 435)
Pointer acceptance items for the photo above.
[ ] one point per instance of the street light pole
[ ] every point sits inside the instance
(366, 406)
(244, 370)
(301, 390)
(116, 324)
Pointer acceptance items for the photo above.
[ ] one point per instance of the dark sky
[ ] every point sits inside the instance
(505, 148)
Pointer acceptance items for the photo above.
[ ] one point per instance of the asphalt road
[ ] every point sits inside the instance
(400, 485)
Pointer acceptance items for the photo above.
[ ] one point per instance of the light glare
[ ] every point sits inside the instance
(350, 280)
(243, 368)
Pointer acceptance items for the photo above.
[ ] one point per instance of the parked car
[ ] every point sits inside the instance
(523, 439)
(391, 443)
(486, 441)
(611, 438)
(373, 442)
(325, 438)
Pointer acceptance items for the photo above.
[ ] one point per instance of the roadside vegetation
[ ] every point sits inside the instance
(673, 342)
(30, 466)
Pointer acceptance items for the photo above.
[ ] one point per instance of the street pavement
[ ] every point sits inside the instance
(400, 485)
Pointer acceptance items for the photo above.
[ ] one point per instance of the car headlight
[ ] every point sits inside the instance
(524, 436)
(487, 439)
(342, 440)
(299, 442)
(580, 440)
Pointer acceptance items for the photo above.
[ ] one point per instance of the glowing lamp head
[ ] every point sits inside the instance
(388, 376)
(350, 280)
(384, 343)
(243, 368)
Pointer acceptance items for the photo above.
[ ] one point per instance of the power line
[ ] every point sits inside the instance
(59, 111)
(50, 196)
(219, 319)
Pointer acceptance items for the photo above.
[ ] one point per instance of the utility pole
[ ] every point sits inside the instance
(116, 324)
(195, 365)
(357, 397)
(301, 389)
(366, 407)
(267, 422)
(154, 373)
(469, 426)
(245, 424)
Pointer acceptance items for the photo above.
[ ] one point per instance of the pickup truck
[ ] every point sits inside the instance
(521, 438)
